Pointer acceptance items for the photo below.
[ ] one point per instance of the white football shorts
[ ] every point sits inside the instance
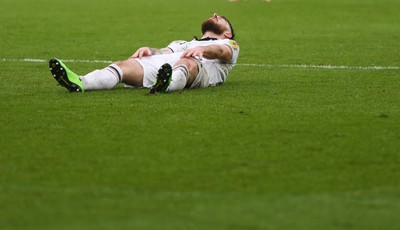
(152, 64)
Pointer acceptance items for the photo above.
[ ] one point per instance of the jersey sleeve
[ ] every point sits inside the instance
(235, 49)
(177, 46)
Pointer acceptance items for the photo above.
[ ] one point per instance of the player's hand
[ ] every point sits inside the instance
(142, 52)
(196, 52)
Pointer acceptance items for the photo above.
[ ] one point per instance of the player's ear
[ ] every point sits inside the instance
(228, 35)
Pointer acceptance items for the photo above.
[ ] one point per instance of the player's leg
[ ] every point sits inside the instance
(177, 78)
(105, 78)
(132, 71)
(128, 71)
(184, 73)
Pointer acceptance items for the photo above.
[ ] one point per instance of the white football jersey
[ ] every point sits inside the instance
(217, 70)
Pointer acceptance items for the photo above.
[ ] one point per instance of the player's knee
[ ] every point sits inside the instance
(190, 65)
(132, 72)
(122, 64)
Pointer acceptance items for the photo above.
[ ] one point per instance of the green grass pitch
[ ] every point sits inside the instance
(283, 144)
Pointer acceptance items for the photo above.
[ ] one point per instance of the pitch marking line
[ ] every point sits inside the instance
(43, 60)
(301, 66)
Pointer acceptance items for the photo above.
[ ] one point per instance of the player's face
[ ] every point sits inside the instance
(216, 24)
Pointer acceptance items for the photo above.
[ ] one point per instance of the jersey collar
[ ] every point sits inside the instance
(205, 39)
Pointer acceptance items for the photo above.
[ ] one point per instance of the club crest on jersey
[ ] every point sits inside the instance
(234, 44)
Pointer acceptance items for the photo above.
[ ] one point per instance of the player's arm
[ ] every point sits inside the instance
(221, 52)
(147, 51)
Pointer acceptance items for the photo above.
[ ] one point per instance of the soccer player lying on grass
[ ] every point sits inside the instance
(198, 63)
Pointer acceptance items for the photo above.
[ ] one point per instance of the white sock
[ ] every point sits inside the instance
(180, 75)
(105, 78)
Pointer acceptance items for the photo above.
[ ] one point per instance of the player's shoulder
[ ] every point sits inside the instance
(177, 45)
(178, 42)
(234, 44)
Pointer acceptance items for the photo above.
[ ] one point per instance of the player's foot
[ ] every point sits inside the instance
(163, 79)
(65, 77)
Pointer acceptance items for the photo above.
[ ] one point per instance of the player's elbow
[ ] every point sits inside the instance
(225, 54)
